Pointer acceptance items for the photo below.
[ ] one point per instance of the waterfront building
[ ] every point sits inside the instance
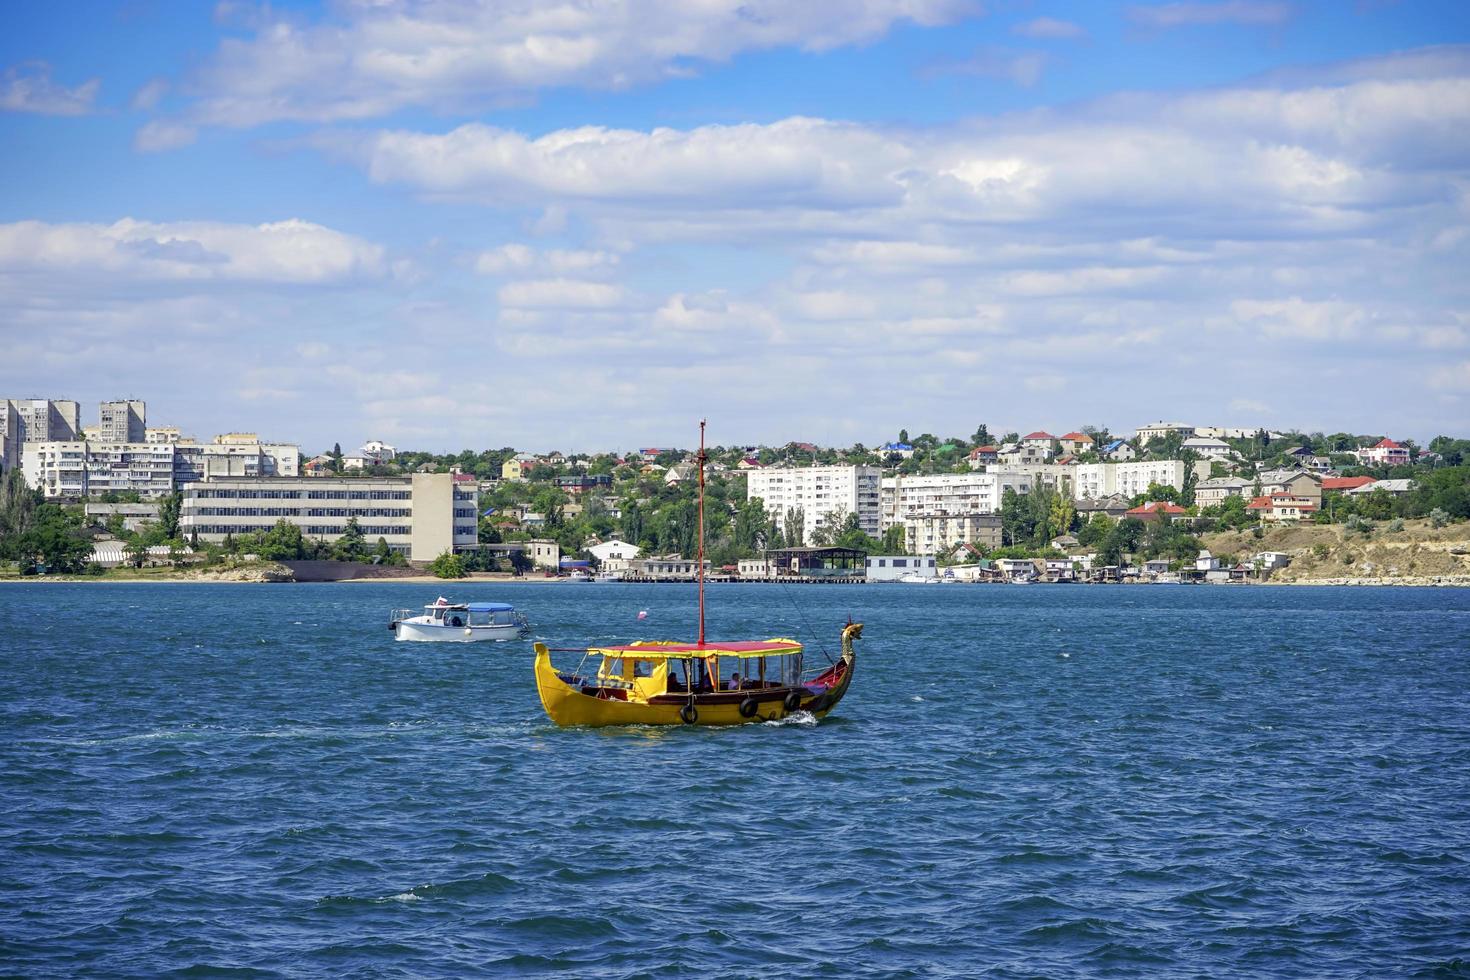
(822, 493)
(902, 497)
(543, 552)
(420, 516)
(891, 568)
(1131, 479)
(122, 421)
(614, 555)
(930, 534)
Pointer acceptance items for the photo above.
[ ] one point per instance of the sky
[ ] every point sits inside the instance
(585, 224)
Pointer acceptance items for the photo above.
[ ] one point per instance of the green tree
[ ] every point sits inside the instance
(352, 545)
(54, 538)
(893, 541)
(448, 565)
(169, 507)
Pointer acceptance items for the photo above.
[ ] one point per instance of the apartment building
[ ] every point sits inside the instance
(931, 534)
(122, 421)
(903, 497)
(1096, 480)
(821, 492)
(421, 516)
(234, 455)
(76, 469)
(25, 420)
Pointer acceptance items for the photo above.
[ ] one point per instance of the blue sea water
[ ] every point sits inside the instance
(1046, 781)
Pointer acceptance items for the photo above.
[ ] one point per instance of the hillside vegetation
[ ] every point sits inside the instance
(1411, 554)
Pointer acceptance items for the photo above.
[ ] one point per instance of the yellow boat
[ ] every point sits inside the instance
(667, 682)
(671, 683)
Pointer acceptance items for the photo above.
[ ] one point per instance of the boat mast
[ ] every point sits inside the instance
(699, 461)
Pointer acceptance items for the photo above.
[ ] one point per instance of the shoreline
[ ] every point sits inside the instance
(1409, 582)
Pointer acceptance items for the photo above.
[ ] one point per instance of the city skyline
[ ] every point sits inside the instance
(468, 226)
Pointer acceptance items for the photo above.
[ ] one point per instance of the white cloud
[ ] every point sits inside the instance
(795, 161)
(1454, 377)
(560, 294)
(1350, 158)
(1186, 14)
(150, 94)
(518, 259)
(28, 88)
(372, 58)
(292, 251)
(1297, 319)
(163, 134)
(1049, 28)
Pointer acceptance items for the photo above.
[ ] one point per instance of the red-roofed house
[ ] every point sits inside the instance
(1044, 441)
(1157, 510)
(1282, 507)
(1341, 483)
(750, 463)
(1386, 453)
(1074, 443)
(983, 456)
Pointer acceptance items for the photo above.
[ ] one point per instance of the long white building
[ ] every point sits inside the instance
(939, 494)
(76, 468)
(420, 516)
(1097, 480)
(821, 492)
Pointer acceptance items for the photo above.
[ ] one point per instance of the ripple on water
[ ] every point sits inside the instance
(1083, 782)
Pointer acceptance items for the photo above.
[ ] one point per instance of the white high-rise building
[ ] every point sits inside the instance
(823, 493)
(905, 497)
(125, 420)
(1097, 480)
(38, 420)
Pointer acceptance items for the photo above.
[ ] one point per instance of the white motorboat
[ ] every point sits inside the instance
(577, 576)
(463, 622)
(914, 578)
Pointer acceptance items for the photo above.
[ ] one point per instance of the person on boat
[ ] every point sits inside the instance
(735, 681)
(674, 684)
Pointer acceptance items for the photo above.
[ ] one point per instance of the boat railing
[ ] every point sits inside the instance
(401, 614)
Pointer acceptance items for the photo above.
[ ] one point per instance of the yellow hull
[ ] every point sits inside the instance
(568, 706)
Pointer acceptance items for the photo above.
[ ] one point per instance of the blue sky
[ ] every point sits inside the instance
(585, 225)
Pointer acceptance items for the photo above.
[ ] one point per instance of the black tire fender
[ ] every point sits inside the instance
(793, 701)
(689, 714)
(748, 708)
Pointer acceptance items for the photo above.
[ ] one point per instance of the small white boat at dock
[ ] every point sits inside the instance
(463, 622)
